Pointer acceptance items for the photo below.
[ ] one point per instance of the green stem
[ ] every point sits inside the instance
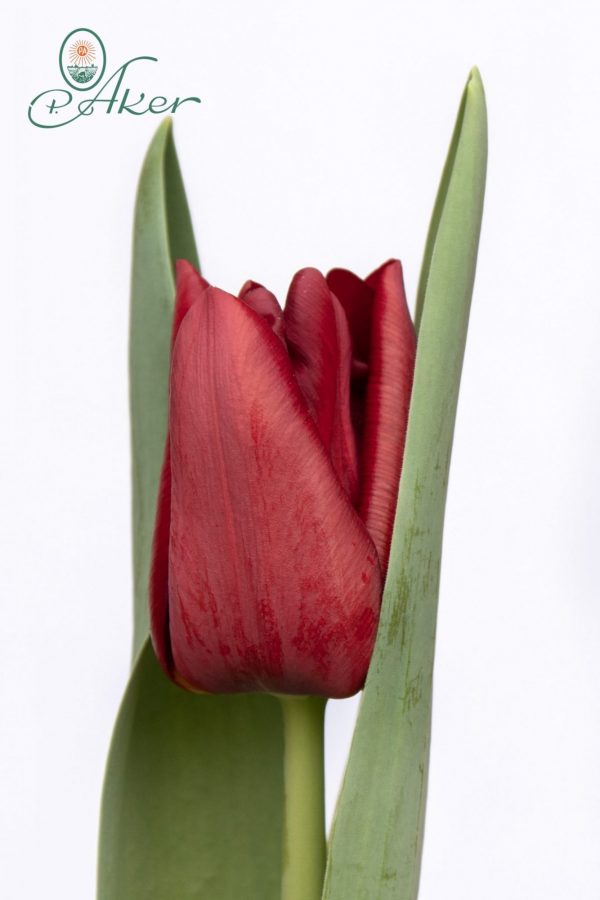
(304, 846)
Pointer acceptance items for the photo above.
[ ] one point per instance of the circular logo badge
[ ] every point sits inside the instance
(82, 59)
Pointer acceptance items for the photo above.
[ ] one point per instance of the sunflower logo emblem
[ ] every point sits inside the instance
(82, 59)
(82, 55)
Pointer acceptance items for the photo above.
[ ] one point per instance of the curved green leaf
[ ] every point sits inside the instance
(193, 795)
(377, 838)
(192, 802)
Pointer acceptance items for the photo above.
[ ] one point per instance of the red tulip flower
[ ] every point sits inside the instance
(280, 480)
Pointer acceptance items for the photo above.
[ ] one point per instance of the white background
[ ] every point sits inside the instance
(319, 141)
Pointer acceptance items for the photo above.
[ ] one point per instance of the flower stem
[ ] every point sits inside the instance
(304, 818)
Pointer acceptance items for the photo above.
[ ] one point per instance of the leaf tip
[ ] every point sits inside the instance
(161, 138)
(474, 89)
(166, 126)
(475, 77)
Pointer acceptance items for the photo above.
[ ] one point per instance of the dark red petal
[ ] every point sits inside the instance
(274, 582)
(391, 365)
(190, 285)
(320, 348)
(189, 288)
(265, 304)
(384, 347)
(356, 297)
(159, 571)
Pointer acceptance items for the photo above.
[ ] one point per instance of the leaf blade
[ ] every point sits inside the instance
(376, 842)
(188, 812)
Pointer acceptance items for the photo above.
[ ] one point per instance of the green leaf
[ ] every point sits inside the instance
(377, 838)
(193, 795)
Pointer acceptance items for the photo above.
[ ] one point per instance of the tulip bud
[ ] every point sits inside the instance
(280, 480)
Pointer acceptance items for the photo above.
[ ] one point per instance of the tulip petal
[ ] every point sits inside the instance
(274, 583)
(190, 287)
(265, 304)
(159, 569)
(384, 339)
(356, 298)
(320, 349)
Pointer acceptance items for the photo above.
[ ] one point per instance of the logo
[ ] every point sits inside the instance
(82, 63)
(82, 59)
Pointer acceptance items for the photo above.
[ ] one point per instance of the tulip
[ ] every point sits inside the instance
(280, 480)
